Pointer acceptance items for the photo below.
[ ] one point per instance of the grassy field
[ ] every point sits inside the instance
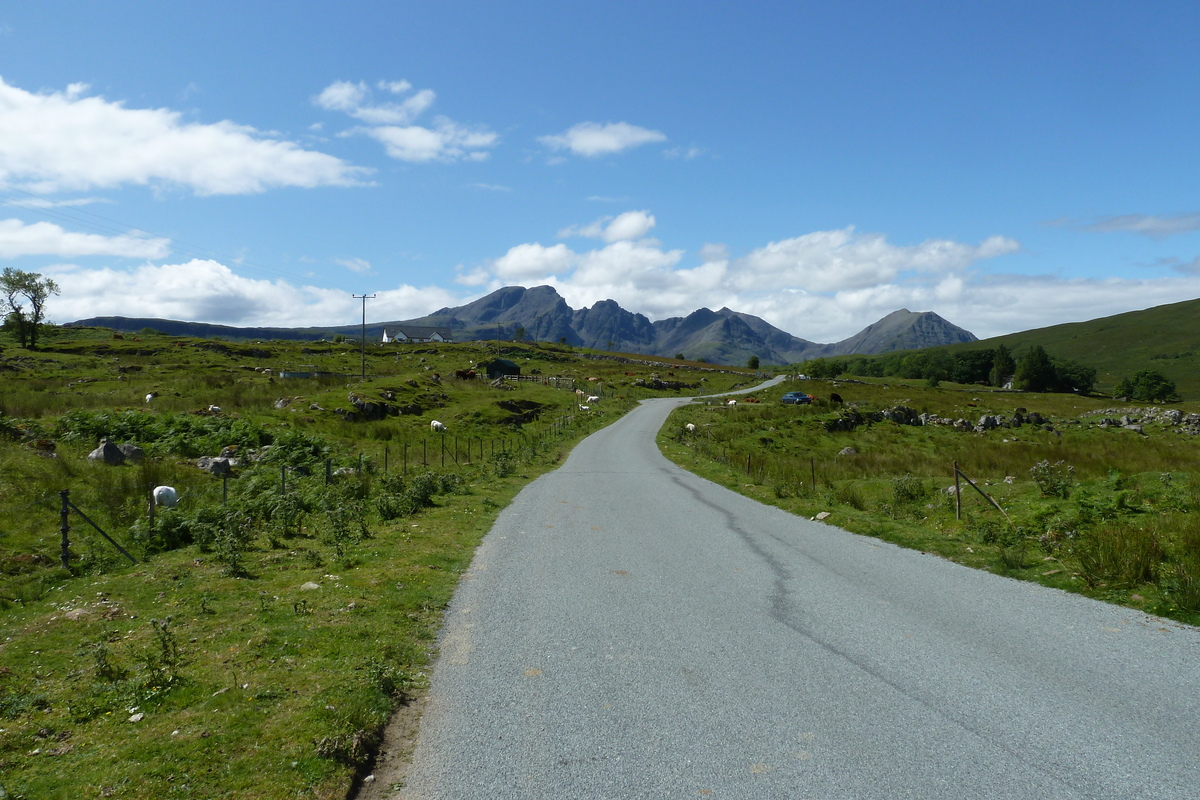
(275, 619)
(1088, 506)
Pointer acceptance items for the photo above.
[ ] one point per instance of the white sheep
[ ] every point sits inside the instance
(731, 403)
(437, 427)
(591, 398)
(165, 496)
(690, 427)
(582, 407)
(214, 409)
(150, 396)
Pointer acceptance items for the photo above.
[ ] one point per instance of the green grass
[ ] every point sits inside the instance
(1123, 524)
(247, 683)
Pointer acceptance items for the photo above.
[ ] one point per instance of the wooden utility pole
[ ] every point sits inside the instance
(364, 298)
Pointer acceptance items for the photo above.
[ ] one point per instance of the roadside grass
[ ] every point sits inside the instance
(276, 620)
(1106, 512)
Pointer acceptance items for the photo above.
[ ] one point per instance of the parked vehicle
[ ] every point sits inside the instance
(797, 398)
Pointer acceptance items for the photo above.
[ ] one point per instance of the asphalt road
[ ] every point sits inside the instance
(628, 630)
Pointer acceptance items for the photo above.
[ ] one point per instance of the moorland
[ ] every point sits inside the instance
(259, 635)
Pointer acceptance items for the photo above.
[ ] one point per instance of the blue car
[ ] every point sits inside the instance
(797, 398)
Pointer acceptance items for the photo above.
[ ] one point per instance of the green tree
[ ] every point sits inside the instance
(21, 289)
(1003, 366)
(752, 362)
(1036, 372)
(1074, 377)
(1149, 385)
(938, 367)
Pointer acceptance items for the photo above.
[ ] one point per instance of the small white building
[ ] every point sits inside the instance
(417, 334)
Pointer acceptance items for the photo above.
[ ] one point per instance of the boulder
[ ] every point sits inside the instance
(216, 466)
(107, 452)
(133, 454)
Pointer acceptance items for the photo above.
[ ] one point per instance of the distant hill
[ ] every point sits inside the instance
(1163, 338)
(719, 337)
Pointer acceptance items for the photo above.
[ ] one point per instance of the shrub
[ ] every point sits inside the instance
(908, 489)
(1054, 480)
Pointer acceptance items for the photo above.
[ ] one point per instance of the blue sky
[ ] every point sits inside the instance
(1007, 165)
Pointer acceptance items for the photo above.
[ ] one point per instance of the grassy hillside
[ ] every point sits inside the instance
(1163, 338)
(274, 620)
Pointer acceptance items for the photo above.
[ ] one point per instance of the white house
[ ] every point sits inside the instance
(417, 334)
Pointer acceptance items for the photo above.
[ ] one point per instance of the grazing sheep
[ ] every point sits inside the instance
(437, 427)
(214, 409)
(151, 396)
(582, 407)
(731, 403)
(591, 398)
(165, 496)
(690, 427)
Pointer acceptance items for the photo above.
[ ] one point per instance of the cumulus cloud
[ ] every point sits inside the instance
(69, 141)
(842, 259)
(47, 239)
(1145, 224)
(445, 141)
(592, 139)
(390, 123)
(527, 262)
(356, 99)
(823, 286)
(630, 225)
(208, 291)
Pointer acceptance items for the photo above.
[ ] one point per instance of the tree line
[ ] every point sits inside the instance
(1033, 370)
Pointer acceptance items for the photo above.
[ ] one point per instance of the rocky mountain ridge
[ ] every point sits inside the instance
(541, 314)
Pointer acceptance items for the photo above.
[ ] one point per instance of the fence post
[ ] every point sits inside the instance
(385, 459)
(66, 526)
(152, 511)
(225, 488)
(283, 480)
(957, 493)
(328, 471)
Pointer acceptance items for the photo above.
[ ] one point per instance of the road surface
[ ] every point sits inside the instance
(629, 630)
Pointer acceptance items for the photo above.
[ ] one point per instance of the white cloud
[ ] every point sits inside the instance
(527, 262)
(389, 123)
(47, 239)
(826, 261)
(592, 139)
(1145, 224)
(67, 141)
(446, 141)
(207, 291)
(356, 100)
(358, 265)
(630, 225)
(822, 286)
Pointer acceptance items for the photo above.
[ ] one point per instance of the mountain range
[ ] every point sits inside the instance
(541, 314)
